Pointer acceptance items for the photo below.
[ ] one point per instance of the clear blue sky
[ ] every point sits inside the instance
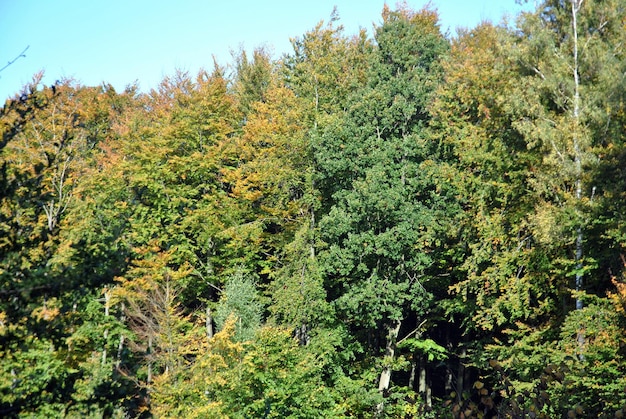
(122, 41)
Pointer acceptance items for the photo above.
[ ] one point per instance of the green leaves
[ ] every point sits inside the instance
(360, 207)
(239, 299)
(428, 347)
(385, 207)
(382, 222)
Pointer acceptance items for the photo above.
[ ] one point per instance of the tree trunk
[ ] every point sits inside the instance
(312, 230)
(576, 4)
(302, 334)
(385, 376)
(577, 153)
(460, 376)
(412, 375)
(107, 302)
(209, 323)
(149, 353)
(448, 383)
(421, 387)
(120, 346)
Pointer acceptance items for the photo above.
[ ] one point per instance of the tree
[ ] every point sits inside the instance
(239, 299)
(323, 69)
(168, 163)
(528, 118)
(51, 139)
(266, 172)
(196, 389)
(326, 67)
(47, 141)
(388, 218)
(489, 162)
(252, 78)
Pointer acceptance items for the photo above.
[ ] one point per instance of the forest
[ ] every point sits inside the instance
(402, 224)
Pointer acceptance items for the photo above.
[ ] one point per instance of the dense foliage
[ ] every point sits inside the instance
(402, 225)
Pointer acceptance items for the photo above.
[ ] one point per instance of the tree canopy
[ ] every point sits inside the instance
(405, 224)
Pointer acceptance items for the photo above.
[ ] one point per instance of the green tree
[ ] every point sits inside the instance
(269, 376)
(197, 390)
(529, 115)
(167, 166)
(240, 300)
(490, 165)
(265, 170)
(51, 138)
(252, 78)
(570, 60)
(390, 213)
(326, 66)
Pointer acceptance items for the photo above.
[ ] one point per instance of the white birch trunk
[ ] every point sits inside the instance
(576, 5)
(209, 323)
(385, 376)
(107, 305)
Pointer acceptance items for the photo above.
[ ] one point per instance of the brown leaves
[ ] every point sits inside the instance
(619, 296)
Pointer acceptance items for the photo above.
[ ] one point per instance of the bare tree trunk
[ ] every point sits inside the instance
(385, 375)
(413, 370)
(423, 388)
(576, 5)
(312, 238)
(209, 323)
(448, 384)
(120, 346)
(107, 304)
(58, 204)
(149, 378)
(460, 376)
(302, 334)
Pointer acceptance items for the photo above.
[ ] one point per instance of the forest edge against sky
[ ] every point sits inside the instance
(74, 39)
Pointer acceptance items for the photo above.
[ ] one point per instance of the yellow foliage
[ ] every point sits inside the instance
(618, 298)
(3, 322)
(188, 392)
(546, 223)
(48, 312)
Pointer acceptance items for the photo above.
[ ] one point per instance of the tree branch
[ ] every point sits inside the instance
(412, 333)
(21, 54)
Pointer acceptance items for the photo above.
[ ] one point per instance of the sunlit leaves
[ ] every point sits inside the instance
(240, 300)
(402, 202)
(271, 375)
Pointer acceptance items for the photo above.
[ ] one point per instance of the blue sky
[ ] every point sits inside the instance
(123, 41)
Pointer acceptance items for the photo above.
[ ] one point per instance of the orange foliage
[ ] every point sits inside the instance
(618, 298)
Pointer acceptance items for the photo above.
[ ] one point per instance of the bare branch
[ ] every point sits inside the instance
(21, 54)
(413, 332)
